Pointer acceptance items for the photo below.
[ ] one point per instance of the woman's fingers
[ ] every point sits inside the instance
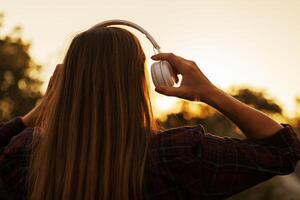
(169, 91)
(175, 61)
(174, 91)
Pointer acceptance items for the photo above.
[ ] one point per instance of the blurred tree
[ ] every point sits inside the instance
(296, 126)
(297, 118)
(273, 189)
(217, 123)
(257, 99)
(298, 105)
(19, 83)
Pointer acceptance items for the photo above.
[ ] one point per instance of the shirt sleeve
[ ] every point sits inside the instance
(227, 166)
(14, 160)
(9, 129)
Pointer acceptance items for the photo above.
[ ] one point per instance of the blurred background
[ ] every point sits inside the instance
(248, 48)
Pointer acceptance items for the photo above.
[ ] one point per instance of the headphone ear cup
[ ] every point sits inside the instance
(162, 74)
(153, 75)
(167, 73)
(156, 73)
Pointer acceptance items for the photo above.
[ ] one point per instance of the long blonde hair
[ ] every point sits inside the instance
(98, 123)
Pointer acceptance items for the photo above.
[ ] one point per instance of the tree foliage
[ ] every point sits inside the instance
(19, 85)
(217, 123)
(258, 100)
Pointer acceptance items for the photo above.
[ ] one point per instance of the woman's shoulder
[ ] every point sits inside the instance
(175, 143)
(178, 135)
(171, 152)
(181, 130)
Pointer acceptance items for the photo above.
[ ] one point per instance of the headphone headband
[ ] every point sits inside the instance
(132, 25)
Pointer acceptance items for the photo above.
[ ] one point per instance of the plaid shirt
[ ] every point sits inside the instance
(187, 162)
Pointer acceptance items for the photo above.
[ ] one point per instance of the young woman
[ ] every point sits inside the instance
(93, 135)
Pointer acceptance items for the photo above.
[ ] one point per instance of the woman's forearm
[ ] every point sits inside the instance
(254, 123)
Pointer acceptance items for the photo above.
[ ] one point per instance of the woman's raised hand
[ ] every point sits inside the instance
(194, 86)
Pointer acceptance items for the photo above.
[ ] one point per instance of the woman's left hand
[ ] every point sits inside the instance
(30, 118)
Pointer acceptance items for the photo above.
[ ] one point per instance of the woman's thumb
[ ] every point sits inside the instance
(169, 91)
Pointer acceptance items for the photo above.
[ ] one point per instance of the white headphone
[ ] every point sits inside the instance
(161, 72)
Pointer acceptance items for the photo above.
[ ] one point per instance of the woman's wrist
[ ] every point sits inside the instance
(213, 96)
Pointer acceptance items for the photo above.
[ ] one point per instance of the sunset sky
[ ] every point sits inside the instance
(235, 42)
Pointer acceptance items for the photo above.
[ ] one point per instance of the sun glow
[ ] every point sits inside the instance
(232, 42)
(163, 105)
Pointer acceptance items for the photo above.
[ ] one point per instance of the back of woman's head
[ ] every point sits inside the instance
(96, 131)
